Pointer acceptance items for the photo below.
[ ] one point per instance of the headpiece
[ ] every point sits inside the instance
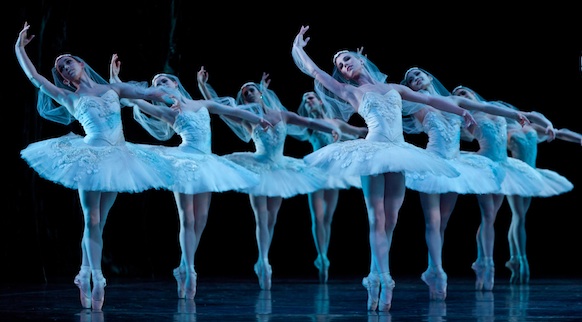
(61, 56)
(250, 84)
(339, 53)
(458, 88)
(157, 76)
(408, 71)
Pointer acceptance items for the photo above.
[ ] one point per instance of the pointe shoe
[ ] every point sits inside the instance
(190, 285)
(387, 284)
(437, 283)
(180, 277)
(489, 277)
(479, 270)
(514, 267)
(322, 264)
(98, 293)
(83, 282)
(264, 273)
(372, 285)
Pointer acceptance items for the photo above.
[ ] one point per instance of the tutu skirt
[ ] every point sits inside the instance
(68, 160)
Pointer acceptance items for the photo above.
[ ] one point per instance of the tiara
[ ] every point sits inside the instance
(61, 56)
(156, 76)
(249, 84)
(458, 88)
(170, 77)
(409, 70)
(465, 88)
(339, 53)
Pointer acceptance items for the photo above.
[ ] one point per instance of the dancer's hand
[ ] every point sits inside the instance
(469, 120)
(265, 81)
(265, 124)
(114, 68)
(202, 76)
(23, 38)
(299, 40)
(176, 105)
(522, 119)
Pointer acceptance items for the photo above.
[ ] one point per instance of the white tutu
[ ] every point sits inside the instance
(284, 177)
(125, 167)
(198, 172)
(363, 157)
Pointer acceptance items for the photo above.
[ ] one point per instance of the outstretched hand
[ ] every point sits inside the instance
(265, 81)
(176, 106)
(23, 38)
(114, 67)
(551, 133)
(299, 39)
(337, 134)
(265, 125)
(522, 119)
(470, 122)
(360, 51)
(202, 76)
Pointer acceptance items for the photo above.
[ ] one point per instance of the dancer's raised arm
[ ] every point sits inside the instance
(60, 95)
(306, 65)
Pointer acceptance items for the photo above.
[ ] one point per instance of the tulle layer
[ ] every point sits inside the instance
(478, 175)
(198, 172)
(523, 180)
(341, 182)
(71, 162)
(284, 177)
(363, 157)
(555, 183)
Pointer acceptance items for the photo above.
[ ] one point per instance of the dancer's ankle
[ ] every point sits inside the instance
(488, 261)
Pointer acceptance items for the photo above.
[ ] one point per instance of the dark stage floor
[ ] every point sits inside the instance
(342, 299)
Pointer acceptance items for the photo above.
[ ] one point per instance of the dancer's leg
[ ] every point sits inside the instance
(384, 195)
(265, 210)
(484, 268)
(322, 205)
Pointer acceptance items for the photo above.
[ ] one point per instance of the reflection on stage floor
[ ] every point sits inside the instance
(341, 299)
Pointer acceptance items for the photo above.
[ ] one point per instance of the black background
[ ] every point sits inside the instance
(528, 56)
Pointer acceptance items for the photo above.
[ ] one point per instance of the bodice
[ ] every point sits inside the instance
(194, 129)
(491, 133)
(270, 143)
(444, 133)
(523, 144)
(100, 117)
(383, 116)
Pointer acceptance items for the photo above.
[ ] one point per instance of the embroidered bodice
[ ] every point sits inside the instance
(383, 116)
(194, 129)
(100, 117)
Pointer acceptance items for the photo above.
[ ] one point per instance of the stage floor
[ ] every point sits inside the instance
(341, 299)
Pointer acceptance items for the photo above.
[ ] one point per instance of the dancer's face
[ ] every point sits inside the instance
(251, 94)
(465, 93)
(164, 81)
(417, 80)
(348, 65)
(69, 68)
(313, 104)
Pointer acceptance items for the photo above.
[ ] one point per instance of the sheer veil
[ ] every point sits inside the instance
(409, 123)
(318, 112)
(157, 128)
(339, 107)
(49, 109)
(510, 122)
(270, 100)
